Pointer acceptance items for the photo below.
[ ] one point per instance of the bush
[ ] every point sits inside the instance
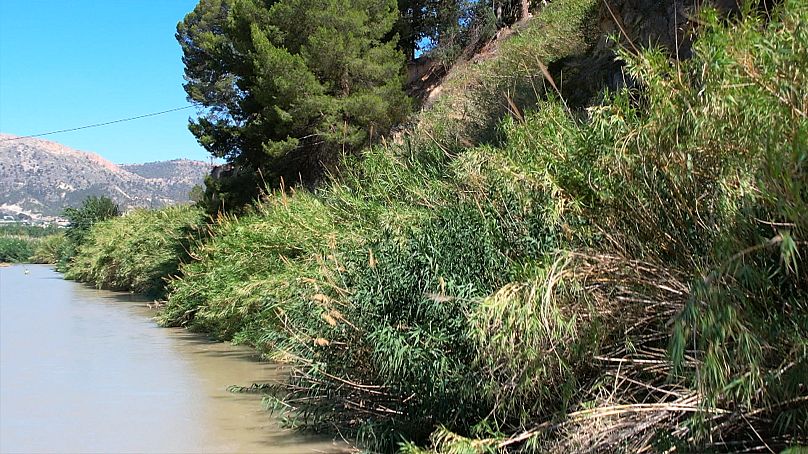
(679, 212)
(92, 210)
(403, 324)
(631, 277)
(50, 249)
(31, 231)
(138, 251)
(16, 249)
(687, 264)
(249, 268)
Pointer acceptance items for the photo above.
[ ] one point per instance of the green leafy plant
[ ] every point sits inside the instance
(137, 251)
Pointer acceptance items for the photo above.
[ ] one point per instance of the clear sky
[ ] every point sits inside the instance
(66, 64)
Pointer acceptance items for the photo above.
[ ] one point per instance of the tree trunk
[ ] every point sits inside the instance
(525, 9)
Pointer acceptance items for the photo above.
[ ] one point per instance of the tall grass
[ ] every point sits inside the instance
(50, 249)
(693, 194)
(138, 251)
(18, 242)
(626, 280)
(16, 249)
(246, 270)
(476, 94)
(628, 277)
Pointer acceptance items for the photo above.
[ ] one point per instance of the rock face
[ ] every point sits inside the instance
(39, 177)
(637, 24)
(666, 24)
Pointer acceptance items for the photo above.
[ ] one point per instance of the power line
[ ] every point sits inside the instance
(98, 124)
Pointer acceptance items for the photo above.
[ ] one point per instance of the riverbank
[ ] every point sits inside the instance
(85, 370)
(17, 243)
(626, 277)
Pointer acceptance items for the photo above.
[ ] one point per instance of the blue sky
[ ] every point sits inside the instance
(66, 64)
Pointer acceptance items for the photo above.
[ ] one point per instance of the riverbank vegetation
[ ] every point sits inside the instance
(50, 249)
(137, 251)
(624, 275)
(19, 242)
(16, 249)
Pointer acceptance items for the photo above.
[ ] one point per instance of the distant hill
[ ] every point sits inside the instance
(39, 177)
(177, 170)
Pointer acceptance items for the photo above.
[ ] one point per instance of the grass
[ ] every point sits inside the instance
(19, 242)
(478, 93)
(50, 249)
(246, 269)
(138, 251)
(626, 277)
(16, 249)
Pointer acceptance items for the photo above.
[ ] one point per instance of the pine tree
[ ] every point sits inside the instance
(427, 24)
(289, 85)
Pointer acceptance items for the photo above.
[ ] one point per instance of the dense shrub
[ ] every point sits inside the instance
(653, 258)
(631, 277)
(81, 219)
(137, 251)
(32, 231)
(685, 279)
(19, 241)
(16, 249)
(50, 249)
(248, 269)
(92, 210)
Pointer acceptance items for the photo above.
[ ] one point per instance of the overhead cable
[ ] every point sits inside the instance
(98, 124)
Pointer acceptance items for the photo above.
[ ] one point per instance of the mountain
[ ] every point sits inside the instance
(179, 175)
(42, 178)
(177, 170)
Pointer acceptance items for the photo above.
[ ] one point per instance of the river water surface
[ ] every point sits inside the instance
(88, 371)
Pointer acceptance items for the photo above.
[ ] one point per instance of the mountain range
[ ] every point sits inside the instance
(42, 178)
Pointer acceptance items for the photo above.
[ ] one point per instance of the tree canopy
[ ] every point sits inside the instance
(92, 210)
(289, 85)
(426, 25)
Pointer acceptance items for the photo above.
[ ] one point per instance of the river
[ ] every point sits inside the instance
(89, 371)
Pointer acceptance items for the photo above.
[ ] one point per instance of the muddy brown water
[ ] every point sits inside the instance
(89, 371)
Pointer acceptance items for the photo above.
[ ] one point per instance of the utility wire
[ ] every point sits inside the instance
(97, 124)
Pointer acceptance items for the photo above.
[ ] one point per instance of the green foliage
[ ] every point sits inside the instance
(749, 301)
(289, 85)
(698, 183)
(18, 241)
(229, 193)
(408, 308)
(14, 249)
(419, 21)
(250, 268)
(475, 96)
(450, 27)
(531, 344)
(31, 231)
(50, 249)
(93, 209)
(138, 251)
(197, 194)
(510, 11)
(630, 277)
(684, 214)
